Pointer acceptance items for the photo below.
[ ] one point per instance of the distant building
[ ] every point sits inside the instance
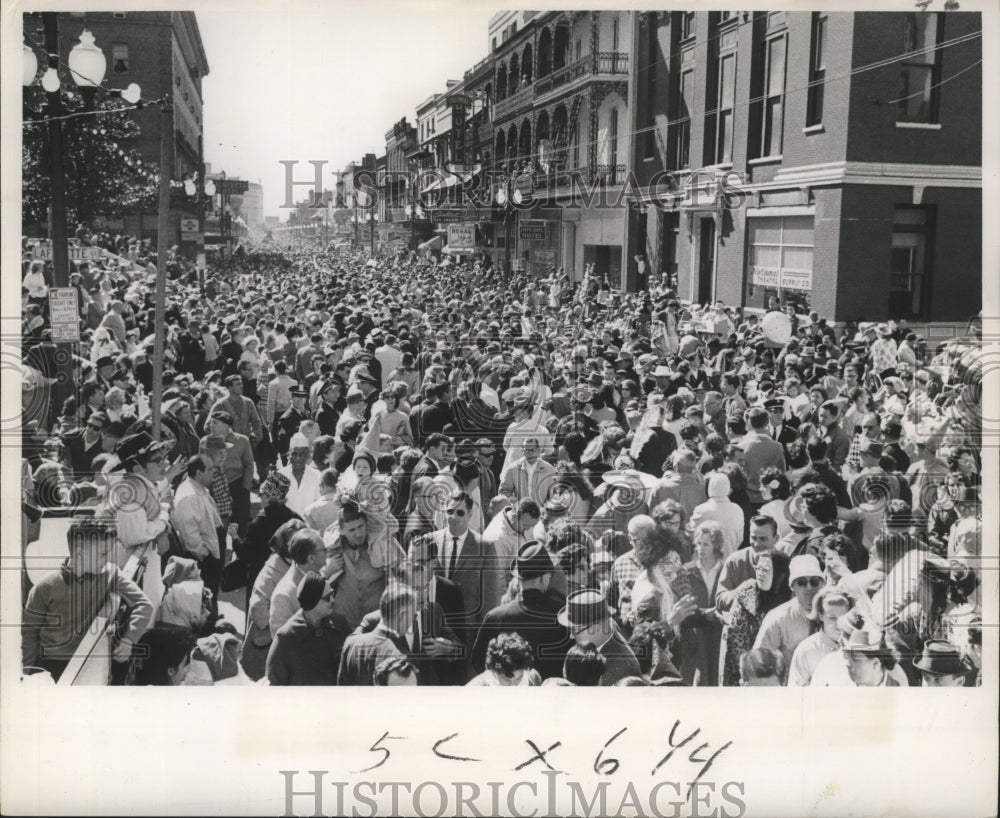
(253, 207)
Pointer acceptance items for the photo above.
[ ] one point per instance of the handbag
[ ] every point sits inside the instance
(234, 575)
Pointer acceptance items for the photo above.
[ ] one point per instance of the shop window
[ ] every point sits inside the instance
(780, 261)
(919, 73)
(908, 264)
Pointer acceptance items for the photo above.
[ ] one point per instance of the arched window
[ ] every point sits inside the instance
(544, 53)
(502, 81)
(514, 78)
(527, 65)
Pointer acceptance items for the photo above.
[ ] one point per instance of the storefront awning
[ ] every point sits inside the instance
(432, 244)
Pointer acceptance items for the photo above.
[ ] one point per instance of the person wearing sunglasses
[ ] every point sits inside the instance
(789, 624)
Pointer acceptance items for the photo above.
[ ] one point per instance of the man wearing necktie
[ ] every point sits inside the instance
(470, 563)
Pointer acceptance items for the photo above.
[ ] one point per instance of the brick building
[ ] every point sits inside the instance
(831, 159)
(164, 54)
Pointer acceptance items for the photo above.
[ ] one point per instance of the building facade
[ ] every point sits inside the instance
(814, 157)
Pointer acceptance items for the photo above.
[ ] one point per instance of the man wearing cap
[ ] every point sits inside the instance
(356, 411)
(782, 429)
(306, 650)
(328, 412)
(62, 606)
(246, 420)
(532, 615)
(587, 617)
(304, 477)
(288, 422)
(787, 625)
(81, 446)
(238, 466)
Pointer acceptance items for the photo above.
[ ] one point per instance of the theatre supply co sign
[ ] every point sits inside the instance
(781, 278)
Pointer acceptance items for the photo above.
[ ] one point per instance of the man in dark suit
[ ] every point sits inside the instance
(471, 563)
(783, 429)
(532, 615)
(288, 424)
(434, 417)
(433, 462)
(327, 415)
(440, 657)
(363, 652)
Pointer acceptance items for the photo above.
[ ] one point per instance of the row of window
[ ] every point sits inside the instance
(919, 77)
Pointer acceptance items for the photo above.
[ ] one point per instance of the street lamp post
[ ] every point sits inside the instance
(372, 218)
(87, 67)
(414, 212)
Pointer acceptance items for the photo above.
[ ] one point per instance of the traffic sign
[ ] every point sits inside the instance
(64, 314)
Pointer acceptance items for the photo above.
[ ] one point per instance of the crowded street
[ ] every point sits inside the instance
(522, 397)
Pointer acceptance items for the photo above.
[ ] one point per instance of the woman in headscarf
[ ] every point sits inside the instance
(255, 548)
(753, 599)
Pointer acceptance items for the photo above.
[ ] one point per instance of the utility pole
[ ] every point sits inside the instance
(163, 225)
(58, 231)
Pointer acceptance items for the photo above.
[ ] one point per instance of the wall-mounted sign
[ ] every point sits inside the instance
(779, 278)
(531, 230)
(43, 250)
(461, 236)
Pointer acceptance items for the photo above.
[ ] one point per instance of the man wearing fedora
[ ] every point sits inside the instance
(941, 665)
(587, 617)
(532, 615)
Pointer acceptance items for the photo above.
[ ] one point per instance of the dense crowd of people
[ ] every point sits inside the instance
(409, 472)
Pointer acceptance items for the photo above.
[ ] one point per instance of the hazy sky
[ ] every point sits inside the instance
(309, 82)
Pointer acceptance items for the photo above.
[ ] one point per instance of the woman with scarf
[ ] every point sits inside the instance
(753, 599)
(255, 548)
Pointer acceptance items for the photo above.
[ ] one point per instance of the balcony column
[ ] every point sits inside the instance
(595, 40)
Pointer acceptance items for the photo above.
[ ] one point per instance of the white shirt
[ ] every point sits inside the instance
(302, 494)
